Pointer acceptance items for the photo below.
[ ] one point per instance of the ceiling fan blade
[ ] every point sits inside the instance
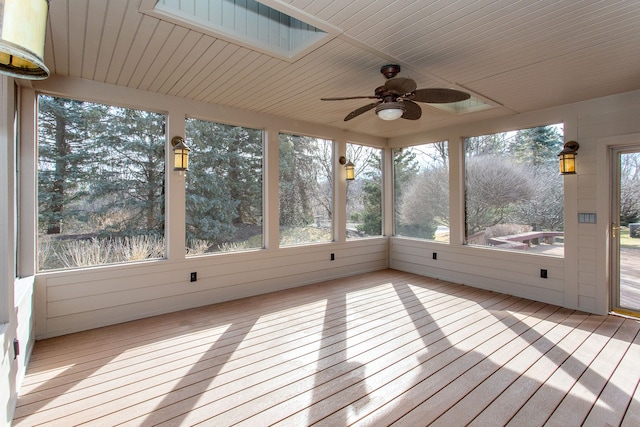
(413, 110)
(439, 95)
(358, 111)
(348, 97)
(400, 85)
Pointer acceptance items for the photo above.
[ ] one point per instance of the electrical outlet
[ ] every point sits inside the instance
(435, 255)
(194, 276)
(543, 273)
(333, 257)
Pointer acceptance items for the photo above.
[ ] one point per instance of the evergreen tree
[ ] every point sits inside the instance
(101, 168)
(244, 152)
(372, 196)
(537, 146)
(129, 178)
(65, 150)
(298, 180)
(224, 183)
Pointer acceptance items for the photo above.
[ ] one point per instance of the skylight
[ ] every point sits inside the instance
(244, 22)
(470, 105)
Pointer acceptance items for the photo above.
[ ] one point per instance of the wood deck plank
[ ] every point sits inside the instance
(366, 350)
(543, 403)
(477, 400)
(192, 383)
(437, 371)
(516, 394)
(528, 330)
(256, 400)
(578, 402)
(110, 340)
(616, 396)
(392, 354)
(387, 388)
(632, 416)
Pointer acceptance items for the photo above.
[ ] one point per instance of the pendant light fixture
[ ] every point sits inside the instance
(23, 25)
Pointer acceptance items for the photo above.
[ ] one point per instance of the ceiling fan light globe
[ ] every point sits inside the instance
(390, 110)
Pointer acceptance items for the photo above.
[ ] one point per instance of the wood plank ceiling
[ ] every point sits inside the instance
(517, 55)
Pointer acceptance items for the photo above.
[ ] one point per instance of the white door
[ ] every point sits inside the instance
(625, 230)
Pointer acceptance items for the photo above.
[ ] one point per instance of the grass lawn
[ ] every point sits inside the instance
(626, 241)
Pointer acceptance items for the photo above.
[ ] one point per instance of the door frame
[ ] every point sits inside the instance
(615, 152)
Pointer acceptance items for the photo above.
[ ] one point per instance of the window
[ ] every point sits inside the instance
(364, 193)
(513, 192)
(306, 190)
(421, 191)
(100, 184)
(223, 188)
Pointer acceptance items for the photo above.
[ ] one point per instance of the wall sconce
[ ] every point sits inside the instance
(180, 154)
(349, 167)
(568, 158)
(23, 25)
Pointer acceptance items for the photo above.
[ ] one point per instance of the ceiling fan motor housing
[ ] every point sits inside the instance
(390, 70)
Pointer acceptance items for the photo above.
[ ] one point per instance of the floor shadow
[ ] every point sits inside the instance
(571, 368)
(187, 391)
(419, 409)
(333, 363)
(80, 364)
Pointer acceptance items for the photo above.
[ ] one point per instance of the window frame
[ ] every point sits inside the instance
(515, 246)
(421, 170)
(381, 152)
(263, 200)
(331, 185)
(167, 171)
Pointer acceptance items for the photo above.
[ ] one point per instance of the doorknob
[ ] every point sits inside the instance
(614, 229)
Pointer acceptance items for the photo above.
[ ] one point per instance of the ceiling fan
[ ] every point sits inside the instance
(398, 96)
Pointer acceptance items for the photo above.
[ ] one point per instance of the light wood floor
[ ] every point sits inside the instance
(375, 349)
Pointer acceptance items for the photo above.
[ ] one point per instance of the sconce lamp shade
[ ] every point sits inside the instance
(23, 25)
(350, 169)
(180, 154)
(390, 110)
(568, 158)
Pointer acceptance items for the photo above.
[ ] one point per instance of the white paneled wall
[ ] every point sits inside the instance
(83, 299)
(508, 272)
